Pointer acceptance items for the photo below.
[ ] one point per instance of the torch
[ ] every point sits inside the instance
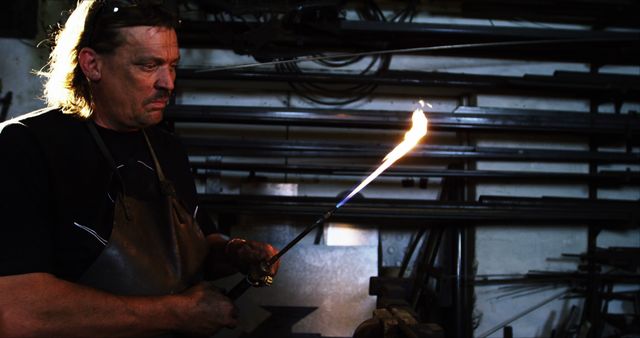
(257, 275)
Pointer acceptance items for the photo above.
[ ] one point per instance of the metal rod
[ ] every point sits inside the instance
(417, 131)
(522, 314)
(409, 253)
(239, 289)
(246, 283)
(295, 241)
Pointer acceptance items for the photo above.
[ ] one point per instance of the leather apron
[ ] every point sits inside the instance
(156, 247)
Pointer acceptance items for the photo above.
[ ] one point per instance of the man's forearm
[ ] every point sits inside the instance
(40, 304)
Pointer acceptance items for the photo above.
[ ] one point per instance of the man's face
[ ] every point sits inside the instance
(136, 80)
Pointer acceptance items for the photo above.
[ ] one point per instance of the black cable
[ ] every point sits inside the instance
(329, 94)
(407, 13)
(339, 95)
(335, 102)
(318, 93)
(340, 62)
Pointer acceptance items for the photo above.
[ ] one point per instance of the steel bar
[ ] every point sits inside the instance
(587, 12)
(268, 148)
(602, 89)
(591, 312)
(555, 277)
(374, 38)
(408, 254)
(625, 258)
(424, 263)
(622, 126)
(463, 295)
(413, 32)
(529, 290)
(567, 323)
(558, 201)
(525, 279)
(204, 169)
(417, 212)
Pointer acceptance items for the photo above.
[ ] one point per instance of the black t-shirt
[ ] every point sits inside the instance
(57, 191)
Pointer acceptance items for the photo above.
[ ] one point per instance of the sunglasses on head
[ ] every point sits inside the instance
(114, 6)
(113, 10)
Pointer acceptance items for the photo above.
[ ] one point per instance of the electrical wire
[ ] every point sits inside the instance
(339, 95)
(334, 94)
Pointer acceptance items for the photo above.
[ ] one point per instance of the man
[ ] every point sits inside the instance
(97, 229)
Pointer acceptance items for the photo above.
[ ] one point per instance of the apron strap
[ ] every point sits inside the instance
(107, 155)
(165, 185)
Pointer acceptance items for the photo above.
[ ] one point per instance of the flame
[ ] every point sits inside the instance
(411, 138)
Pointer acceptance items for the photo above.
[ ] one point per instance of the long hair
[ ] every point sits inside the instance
(94, 24)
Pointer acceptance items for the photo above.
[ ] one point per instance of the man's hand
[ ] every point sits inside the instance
(204, 310)
(227, 257)
(247, 255)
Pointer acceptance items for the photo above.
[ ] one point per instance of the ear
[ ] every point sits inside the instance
(89, 62)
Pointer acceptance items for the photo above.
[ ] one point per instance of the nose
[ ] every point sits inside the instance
(166, 78)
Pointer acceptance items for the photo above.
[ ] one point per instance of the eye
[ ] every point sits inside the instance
(149, 66)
